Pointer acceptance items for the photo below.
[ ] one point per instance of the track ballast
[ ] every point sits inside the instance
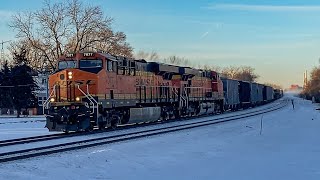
(63, 147)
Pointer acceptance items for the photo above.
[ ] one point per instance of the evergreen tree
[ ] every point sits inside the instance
(24, 87)
(6, 87)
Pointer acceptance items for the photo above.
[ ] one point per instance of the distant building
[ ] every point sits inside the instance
(295, 87)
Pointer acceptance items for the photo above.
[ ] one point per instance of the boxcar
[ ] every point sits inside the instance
(277, 93)
(267, 94)
(231, 94)
(244, 94)
(256, 94)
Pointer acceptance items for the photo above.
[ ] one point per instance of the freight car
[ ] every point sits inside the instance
(267, 94)
(245, 94)
(256, 94)
(241, 94)
(278, 93)
(98, 90)
(231, 94)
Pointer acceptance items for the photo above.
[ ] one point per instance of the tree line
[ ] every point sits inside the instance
(65, 27)
(312, 87)
(17, 86)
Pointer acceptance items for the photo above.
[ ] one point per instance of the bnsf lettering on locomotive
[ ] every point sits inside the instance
(143, 81)
(87, 54)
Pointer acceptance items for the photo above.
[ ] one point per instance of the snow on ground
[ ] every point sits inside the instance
(287, 149)
(7, 119)
(11, 127)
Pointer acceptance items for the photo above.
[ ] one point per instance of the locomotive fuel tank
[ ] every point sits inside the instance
(145, 114)
(206, 108)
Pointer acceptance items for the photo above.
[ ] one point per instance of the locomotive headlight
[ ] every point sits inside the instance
(52, 100)
(77, 99)
(70, 75)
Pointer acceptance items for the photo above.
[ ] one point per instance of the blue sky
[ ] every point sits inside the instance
(279, 39)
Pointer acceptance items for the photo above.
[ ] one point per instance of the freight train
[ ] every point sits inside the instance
(97, 90)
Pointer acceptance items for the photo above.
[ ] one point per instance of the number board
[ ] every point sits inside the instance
(87, 54)
(69, 55)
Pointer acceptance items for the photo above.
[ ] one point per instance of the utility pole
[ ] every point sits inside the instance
(305, 79)
(2, 51)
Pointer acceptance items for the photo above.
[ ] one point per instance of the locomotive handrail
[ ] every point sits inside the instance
(197, 88)
(90, 98)
(46, 103)
(91, 95)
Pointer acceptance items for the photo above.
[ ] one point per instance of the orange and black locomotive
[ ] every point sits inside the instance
(98, 90)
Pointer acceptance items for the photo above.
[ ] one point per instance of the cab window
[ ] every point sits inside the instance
(90, 64)
(109, 65)
(67, 64)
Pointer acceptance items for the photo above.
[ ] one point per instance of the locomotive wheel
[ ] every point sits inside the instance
(177, 114)
(114, 126)
(89, 129)
(102, 126)
(126, 117)
(115, 121)
(165, 116)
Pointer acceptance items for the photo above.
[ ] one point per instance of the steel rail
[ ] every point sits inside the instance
(63, 147)
(11, 142)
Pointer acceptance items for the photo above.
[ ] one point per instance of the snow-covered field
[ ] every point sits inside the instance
(288, 148)
(11, 127)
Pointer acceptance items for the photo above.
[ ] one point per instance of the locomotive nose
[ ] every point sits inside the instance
(70, 85)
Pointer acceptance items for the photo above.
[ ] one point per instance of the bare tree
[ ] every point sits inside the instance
(176, 60)
(209, 67)
(230, 72)
(59, 28)
(313, 86)
(151, 56)
(243, 73)
(275, 86)
(246, 73)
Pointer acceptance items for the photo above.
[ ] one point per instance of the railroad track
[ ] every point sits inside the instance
(33, 139)
(63, 147)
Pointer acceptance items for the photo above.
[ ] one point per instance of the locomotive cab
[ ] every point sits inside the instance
(73, 105)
